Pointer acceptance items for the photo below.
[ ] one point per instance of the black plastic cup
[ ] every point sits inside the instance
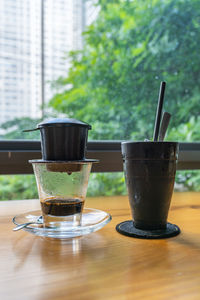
(63, 139)
(150, 169)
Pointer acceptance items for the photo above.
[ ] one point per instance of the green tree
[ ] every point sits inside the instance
(188, 131)
(18, 187)
(113, 82)
(14, 129)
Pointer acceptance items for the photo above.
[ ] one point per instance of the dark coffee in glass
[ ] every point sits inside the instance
(61, 207)
(62, 212)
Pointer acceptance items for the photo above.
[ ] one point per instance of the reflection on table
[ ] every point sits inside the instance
(104, 264)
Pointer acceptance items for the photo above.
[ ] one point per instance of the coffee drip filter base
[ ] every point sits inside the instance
(64, 166)
(82, 161)
(127, 228)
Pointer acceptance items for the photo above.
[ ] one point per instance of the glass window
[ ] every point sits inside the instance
(111, 78)
(102, 61)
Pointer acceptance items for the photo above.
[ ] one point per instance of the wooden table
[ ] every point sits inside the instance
(105, 264)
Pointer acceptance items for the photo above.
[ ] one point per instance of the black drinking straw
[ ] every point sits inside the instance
(159, 111)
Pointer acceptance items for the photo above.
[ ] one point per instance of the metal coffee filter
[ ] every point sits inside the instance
(63, 139)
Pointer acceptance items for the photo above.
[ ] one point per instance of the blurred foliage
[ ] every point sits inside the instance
(18, 187)
(188, 131)
(13, 187)
(113, 84)
(14, 129)
(188, 180)
(107, 184)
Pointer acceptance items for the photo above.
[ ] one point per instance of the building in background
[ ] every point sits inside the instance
(91, 11)
(19, 59)
(29, 29)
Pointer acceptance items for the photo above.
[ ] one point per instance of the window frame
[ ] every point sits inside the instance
(15, 154)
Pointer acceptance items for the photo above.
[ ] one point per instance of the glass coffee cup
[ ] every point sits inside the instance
(62, 188)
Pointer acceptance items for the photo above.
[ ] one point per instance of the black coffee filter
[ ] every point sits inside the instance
(63, 139)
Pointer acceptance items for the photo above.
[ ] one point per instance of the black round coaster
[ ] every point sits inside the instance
(127, 228)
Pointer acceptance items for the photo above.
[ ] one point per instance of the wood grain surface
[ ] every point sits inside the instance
(104, 264)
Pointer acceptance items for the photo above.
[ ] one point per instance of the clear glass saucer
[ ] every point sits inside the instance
(92, 220)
